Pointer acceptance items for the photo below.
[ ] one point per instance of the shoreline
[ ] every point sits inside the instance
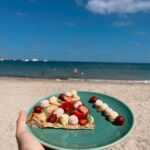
(80, 80)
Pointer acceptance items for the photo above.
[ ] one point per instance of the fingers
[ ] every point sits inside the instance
(46, 148)
(21, 123)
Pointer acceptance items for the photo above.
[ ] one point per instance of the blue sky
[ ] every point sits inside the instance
(76, 30)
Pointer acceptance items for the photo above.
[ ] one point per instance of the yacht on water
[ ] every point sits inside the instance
(34, 59)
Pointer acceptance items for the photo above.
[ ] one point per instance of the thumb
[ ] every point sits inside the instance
(21, 123)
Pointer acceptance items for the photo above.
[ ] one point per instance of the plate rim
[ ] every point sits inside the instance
(102, 147)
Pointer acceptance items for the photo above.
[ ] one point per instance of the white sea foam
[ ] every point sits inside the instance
(112, 81)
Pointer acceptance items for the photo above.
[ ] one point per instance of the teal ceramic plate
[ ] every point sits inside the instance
(104, 135)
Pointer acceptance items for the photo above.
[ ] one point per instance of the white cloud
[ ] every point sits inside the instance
(122, 23)
(138, 45)
(21, 14)
(141, 33)
(118, 6)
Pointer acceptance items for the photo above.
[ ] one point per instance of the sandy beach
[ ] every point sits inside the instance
(21, 93)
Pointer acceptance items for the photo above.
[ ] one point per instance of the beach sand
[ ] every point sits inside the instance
(21, 93)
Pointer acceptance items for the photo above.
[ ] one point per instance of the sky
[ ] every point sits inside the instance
(76, 30)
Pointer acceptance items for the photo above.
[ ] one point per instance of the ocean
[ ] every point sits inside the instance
(75, 70)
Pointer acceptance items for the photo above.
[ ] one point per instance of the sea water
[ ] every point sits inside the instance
(75, 70)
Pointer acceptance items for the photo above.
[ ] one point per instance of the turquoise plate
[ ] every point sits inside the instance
(104, 135)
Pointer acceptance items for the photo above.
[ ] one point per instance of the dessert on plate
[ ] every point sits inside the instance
(65, 111)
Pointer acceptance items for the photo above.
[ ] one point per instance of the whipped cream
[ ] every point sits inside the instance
(74, 93)
(98, 103)
(108, 111)
(102, 107)
(59, 112)
(54, 100)
(64, 119)
(77, 104)
(68, 93)
(73, 120)
(44, 103)
(113, 115)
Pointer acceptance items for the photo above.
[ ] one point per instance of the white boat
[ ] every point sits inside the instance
(26, 60)
(45, 60)
(34, 59)
(1, 59)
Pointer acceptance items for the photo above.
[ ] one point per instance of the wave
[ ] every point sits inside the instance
(107, 80)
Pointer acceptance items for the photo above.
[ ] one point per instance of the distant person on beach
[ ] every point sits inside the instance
(75, 71)
(24, 138)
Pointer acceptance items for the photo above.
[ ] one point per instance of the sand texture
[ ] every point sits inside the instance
(21, 93)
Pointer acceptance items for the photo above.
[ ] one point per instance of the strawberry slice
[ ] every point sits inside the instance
(65, 97)
(80, 115)
(93, 99)
(83, 109)
(83, 121)
(69, 111)
(52, 118)
(67, 107)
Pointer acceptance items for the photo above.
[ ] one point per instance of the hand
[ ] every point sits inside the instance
(25, 140)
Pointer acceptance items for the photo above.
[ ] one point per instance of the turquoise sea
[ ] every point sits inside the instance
(75, 70)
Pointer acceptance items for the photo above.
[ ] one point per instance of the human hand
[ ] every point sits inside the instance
(25, 140)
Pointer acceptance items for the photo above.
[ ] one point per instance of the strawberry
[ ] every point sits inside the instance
(53, 118)
(83, 121)
(65, 97)
(120, 120)
(69, 111)
(80, 115)
(83, 109)
(93, 99)
(37, 109)
(67, 107)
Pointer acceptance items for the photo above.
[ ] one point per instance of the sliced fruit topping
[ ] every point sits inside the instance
(119, 120)
(83, 109)
(93, 99)
(65, 97)
(69, 111)
(80, 115)
(38, 109)
(90, 118)
(67, 107)
(52, 118)
(83, 121)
